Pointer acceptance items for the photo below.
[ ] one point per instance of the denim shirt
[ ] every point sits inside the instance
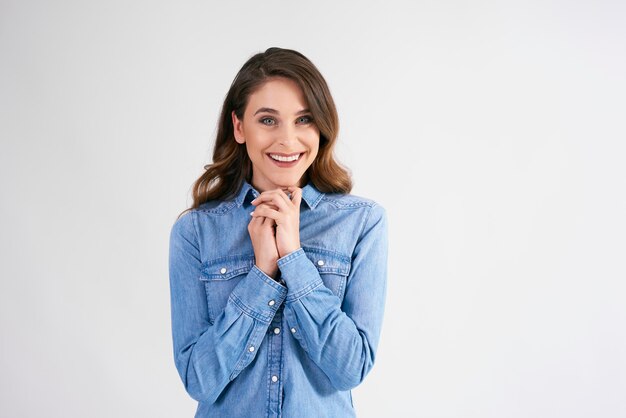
(247, 345)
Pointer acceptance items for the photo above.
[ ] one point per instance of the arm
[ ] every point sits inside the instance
(208, 356)
(341, 342)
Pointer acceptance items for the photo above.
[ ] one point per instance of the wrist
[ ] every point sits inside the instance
(270, 271)
(287, 252)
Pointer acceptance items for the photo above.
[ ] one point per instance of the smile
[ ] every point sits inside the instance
(285, 160)
(280, 157)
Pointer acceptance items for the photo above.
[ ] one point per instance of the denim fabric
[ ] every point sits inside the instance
(247, 345)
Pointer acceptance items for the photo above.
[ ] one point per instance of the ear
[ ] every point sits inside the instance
(238, 128)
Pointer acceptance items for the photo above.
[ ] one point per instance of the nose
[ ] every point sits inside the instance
(288, 135)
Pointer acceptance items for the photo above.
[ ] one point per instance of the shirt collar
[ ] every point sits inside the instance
(310, 194)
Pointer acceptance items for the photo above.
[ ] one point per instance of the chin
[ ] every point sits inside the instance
(287, 182)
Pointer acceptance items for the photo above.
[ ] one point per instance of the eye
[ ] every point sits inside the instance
(267, 121)
(305, 119)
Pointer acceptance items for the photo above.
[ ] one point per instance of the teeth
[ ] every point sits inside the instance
(281, 158)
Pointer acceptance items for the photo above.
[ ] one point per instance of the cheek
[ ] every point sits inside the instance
(313, 138)
(313, 153)
(257, 140)
(315, 144)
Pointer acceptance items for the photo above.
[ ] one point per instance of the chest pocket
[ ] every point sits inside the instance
(333, 268)
(220, 276)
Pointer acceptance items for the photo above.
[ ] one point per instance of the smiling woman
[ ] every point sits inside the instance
(280, 136)
(274, 241)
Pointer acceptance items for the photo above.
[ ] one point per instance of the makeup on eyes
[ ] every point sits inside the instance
(264, 118)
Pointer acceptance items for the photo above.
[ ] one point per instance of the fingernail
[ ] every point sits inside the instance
(251, 213)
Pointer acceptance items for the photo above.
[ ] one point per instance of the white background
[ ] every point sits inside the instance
(493, 133)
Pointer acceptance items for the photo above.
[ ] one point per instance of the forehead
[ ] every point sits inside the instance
(282, 94)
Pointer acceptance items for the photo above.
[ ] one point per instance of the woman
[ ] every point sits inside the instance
(277, 273)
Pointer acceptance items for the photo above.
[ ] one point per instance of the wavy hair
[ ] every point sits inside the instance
(231, 164)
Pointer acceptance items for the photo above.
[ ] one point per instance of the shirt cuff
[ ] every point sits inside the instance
(258, 295)
(299, 273)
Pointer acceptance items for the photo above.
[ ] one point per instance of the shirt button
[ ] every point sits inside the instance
(276, 330)
(293, 330)
(271, 302)
(320, 262)
(274, 378)
(223, 270)
(251, 349)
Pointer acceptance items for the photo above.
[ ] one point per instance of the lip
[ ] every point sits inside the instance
(282, 154)
(284, 164)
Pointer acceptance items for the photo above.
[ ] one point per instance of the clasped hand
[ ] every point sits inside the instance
(275, 226)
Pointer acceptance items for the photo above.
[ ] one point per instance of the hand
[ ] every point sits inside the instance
(286, 216)
(261, 230)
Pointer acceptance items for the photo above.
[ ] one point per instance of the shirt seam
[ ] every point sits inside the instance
(367, 218)
(290, 257)
(243, 357)
(268, 280)
(295, 296)
(251, 312)
(195, 229)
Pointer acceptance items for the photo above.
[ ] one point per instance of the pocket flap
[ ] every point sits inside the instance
(328, 261)
(225, 268)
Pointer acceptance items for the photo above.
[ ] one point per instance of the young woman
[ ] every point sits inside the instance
(277, 273)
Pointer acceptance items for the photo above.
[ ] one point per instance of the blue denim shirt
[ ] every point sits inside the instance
(247, 345)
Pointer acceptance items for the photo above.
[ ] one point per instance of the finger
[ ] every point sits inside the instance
(285, 196)
(276, 197)
(269, 204)
(254, 212)
(272, 195)
(296, 195)
(264, 210)
(268, 222)
(255, 224)
(282, 193)
(256, 221)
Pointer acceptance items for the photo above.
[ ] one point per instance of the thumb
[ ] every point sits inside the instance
(296, 196)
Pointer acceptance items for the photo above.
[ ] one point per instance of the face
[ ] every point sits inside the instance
(278, 125)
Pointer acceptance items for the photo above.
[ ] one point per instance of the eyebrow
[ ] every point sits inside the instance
(274, 111)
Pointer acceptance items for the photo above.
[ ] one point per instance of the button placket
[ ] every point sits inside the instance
(275, 357)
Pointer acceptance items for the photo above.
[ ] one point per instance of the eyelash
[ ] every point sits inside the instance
(310, 119)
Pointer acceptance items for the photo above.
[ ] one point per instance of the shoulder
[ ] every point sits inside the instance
(184, 229)
(211, 207)
(352, 201)
(216, 207)
(193, 218)
(367, 213)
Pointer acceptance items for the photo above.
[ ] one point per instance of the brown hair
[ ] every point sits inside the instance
(231, 164)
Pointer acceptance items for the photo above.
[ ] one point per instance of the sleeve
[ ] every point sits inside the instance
(208, 356)
(341, 338)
